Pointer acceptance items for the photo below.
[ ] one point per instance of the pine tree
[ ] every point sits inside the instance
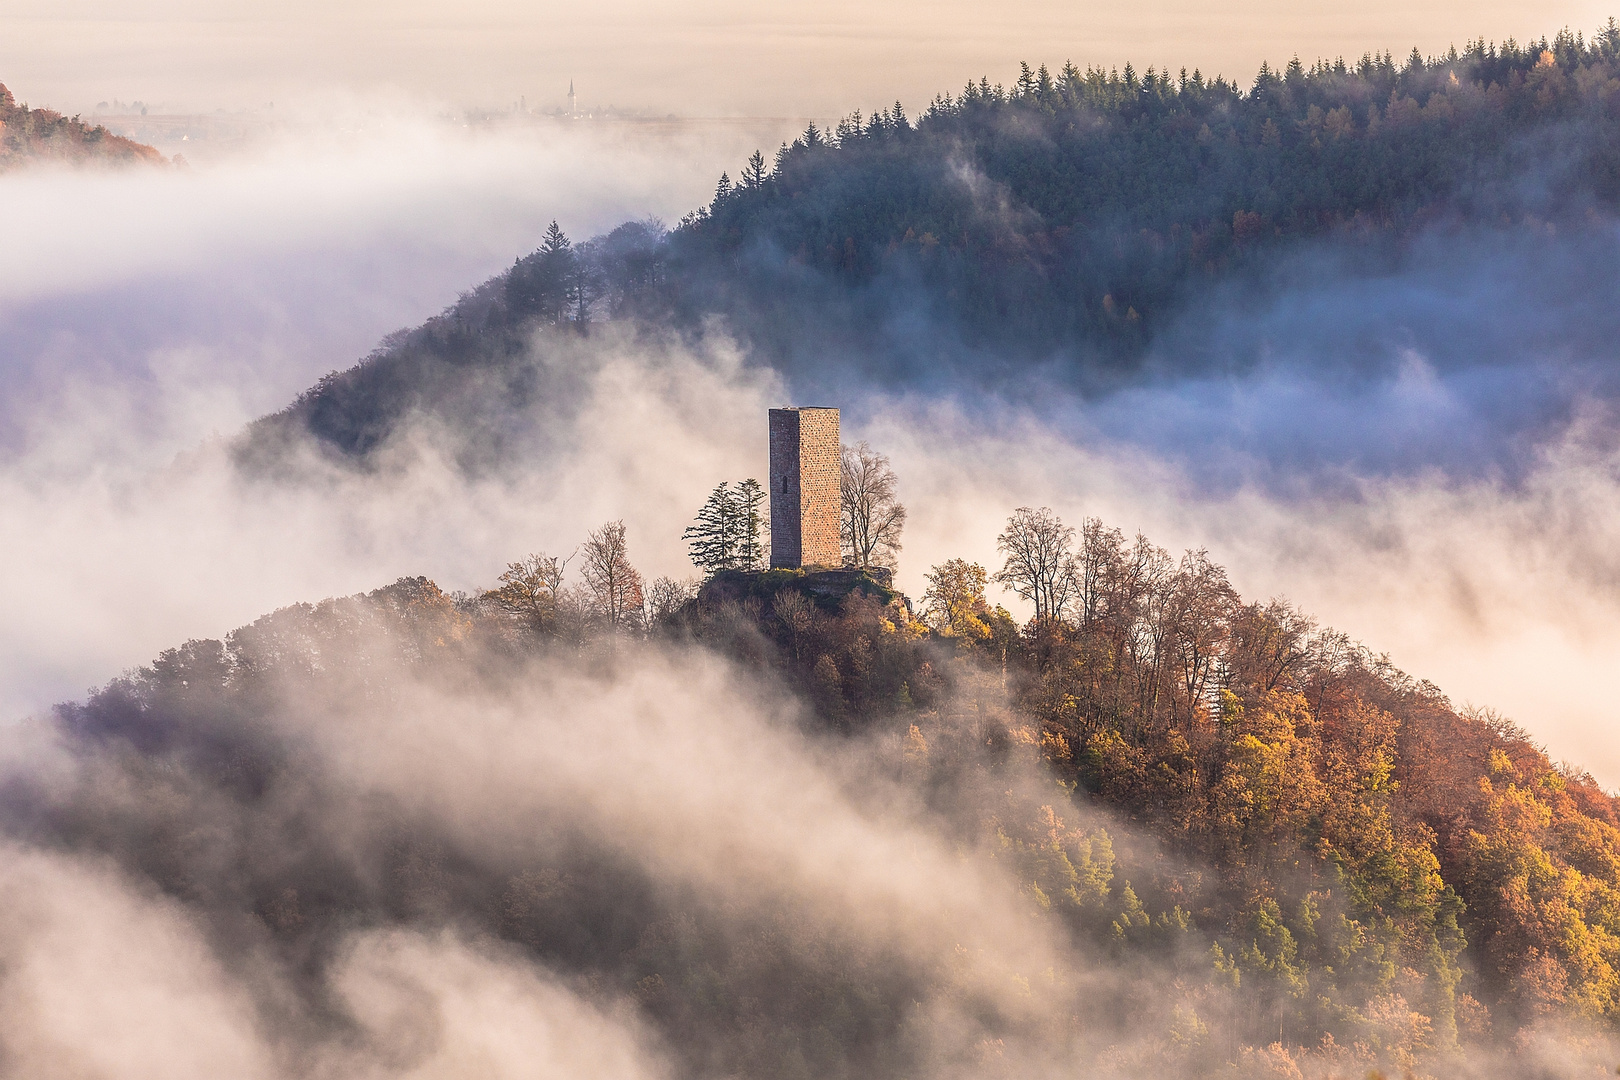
(555, 244)
(1026, 81)
(545, 284)
(750, 501)
(753, 176)
(1607, 40)
(712, 538)
(726, 534)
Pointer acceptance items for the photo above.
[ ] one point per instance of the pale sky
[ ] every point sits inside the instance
(706, 57)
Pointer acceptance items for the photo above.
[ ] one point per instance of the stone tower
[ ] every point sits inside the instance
(805, 489)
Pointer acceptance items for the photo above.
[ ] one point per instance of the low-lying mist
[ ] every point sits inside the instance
(1499, 590)
(1495, 582)
(174, 303)
(403, 835)
(371, 837)
(414, 858)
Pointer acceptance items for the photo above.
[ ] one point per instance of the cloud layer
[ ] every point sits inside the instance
(713, 57)
(1421, 453)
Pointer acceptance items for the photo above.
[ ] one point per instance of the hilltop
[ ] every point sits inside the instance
(1252, 841)
(28, 135)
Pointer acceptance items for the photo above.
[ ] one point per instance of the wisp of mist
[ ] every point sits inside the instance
(1449, 508)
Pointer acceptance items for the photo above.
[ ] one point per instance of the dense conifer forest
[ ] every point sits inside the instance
(1073, 211)
(1054, 229)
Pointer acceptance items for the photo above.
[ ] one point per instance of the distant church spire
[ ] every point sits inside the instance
(572, 111)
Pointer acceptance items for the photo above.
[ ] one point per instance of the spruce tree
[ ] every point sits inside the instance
(753, 177)
(545, 284)
(750, 502)
(712, 538)
(726, 534)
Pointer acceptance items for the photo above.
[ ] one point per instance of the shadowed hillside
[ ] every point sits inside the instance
(1088, 230)
(1074, 214)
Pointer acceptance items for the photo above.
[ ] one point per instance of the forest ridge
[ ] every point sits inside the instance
(1077, 208)
(28, 135)
(1057, 228)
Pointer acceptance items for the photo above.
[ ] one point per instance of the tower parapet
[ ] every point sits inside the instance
(805, 473)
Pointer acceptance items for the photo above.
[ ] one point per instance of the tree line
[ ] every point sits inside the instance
(1080, 209)
(1125, 189)
(1054, 225)
(1118, 195)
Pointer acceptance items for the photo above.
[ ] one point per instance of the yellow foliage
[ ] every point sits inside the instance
(1267, 789)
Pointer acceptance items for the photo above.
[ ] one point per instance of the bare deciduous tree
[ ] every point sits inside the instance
(1097, 571)
(797, 614)
(870, 517)
(613, 585)
(531, 589)
(1201, 602)
(666, 597)
(1040, 560)
(1269, 642)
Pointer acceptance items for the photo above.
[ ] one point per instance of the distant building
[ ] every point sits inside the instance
(572, 111)
(805, 475)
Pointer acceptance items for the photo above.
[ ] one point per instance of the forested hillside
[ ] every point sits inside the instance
(769, 823)
(1071, 212)
(43, 135)
(1053, 231)
(1251, 842)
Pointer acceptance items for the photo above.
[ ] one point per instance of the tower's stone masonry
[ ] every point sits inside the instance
(805, 488)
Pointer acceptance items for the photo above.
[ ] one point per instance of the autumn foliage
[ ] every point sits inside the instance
(45, 135)
(1355, 846)
(1309, 862)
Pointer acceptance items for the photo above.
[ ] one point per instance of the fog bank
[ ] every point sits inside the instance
(1501, 592)
(181, 302)
(716, 57)
(1442, 495)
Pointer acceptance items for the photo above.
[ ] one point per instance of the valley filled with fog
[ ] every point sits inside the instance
(376, 704)
(1423, 457)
